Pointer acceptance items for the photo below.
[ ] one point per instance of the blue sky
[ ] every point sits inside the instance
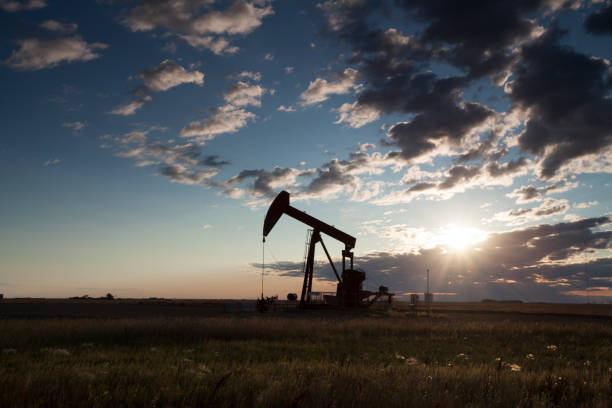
(143, 140)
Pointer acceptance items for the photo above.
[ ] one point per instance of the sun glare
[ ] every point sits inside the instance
(459, 237)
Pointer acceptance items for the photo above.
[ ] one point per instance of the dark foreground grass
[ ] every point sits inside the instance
(326, 362)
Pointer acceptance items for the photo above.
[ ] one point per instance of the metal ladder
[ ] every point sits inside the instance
(308, 237)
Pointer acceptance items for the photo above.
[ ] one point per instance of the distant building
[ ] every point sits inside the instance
(414, 299)
(1, 295)
(428, 297)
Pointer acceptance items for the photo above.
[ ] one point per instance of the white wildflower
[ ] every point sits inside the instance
(514, 367)
(399, 356)
(552, 347)
(411, 361)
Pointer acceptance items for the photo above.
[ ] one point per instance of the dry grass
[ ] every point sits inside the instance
(304, 361)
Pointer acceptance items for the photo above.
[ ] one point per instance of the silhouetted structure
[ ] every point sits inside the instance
(349, 292)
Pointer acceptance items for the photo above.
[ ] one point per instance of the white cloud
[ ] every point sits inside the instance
(76, 126)
(131, 107)
(548, 208)
(13, 5)
(56, 26)
(200, 30)
(586, 204)
(206, 226)
(37, 54)
(255, 76)
(224, 119)
(320, 89)
(289, 70)
(244, 94)
(165, 76)
(268, 57)
(283, 108)
(240, 18)
(218, 46)
(168, 75)
(357, 115)
(51, 162)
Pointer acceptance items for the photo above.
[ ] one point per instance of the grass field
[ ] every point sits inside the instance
(307, 359)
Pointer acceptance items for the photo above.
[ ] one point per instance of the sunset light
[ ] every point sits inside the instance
(459, 237)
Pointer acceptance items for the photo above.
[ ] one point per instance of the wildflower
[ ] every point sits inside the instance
(514, 367)
(61, 352)
(530, 356)
(552, 347)
(587, 363)
(204, 369)
(498, 358)
(463, 356)
(399, 356)
(9, 351)
(411, 361)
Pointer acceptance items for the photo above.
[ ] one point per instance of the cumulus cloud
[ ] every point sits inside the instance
(600, 22)
(264, 182)
(567, 113)
(457, 179)
(180, 163)
(342, 177)
(35, 54)
(168, 75)
(52, 162)
(196, 23)
(254, 76)
(586, 204)
(224, 119)
(218, 45)
(20, 5)
(519, 216)
(283, 108)
(76, 126)
(530, 193)
(163, 77)
(244, 94)
(130, 108)
(565, 95)
(321, 89)
(228, 118)
(356, 115)
(56, 26)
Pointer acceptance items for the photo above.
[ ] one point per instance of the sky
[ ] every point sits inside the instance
(143, 141)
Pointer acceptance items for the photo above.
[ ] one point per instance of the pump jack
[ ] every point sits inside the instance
(349, 291)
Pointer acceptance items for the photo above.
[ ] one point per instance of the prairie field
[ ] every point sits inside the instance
(326, 359)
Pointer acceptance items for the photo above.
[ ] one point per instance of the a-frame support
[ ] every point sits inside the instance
(309, 267)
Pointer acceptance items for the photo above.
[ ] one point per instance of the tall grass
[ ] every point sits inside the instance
(261, 361)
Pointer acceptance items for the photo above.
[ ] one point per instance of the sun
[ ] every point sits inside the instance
(459, 237)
